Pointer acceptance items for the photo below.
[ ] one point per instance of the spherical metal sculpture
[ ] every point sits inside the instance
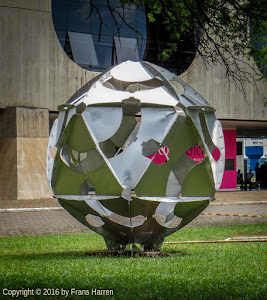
(139, 154)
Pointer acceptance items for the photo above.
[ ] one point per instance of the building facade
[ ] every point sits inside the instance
(37, 75)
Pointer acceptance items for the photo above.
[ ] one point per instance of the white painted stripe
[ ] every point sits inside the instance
(6, 210)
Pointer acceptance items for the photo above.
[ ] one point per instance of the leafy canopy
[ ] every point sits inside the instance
(230, 32)
(226, 31)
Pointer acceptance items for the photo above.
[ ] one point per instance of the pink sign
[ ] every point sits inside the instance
(160, 156)
(195, 153)
(216, 154)
(229, 176)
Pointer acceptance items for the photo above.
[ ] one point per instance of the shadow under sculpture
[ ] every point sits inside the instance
(120, 157)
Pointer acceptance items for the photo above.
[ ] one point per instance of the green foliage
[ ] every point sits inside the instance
(151, 17)
(258, 48)
(200, 271)
(219, 29)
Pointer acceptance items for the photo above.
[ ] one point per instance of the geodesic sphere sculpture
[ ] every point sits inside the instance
(138, 155)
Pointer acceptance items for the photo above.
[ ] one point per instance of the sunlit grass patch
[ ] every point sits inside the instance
(199, 271)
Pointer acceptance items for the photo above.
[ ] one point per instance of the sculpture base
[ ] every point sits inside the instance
(127, 253)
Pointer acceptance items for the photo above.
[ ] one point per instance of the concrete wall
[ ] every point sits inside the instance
(35, 71)
(228, 100)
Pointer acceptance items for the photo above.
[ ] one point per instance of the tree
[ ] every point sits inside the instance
(231, 32)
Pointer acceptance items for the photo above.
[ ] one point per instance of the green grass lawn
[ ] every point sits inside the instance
(198, 271)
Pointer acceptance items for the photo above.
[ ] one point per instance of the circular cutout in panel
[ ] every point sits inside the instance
(94, 221)
(53, 152)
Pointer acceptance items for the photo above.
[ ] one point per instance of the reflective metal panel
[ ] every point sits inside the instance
(103, 121)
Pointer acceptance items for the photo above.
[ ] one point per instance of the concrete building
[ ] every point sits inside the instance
(36, 76)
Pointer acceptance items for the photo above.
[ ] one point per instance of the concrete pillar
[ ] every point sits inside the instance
(23, 142)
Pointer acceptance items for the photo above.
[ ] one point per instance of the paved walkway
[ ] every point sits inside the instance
(240, 197)
(58, 221)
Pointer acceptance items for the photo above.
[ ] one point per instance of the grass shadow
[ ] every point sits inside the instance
(83, 254)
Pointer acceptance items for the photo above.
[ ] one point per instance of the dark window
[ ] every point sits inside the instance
(229, 164)
(239, 148)
(157, 39)
(82, 18)
(259, 42)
